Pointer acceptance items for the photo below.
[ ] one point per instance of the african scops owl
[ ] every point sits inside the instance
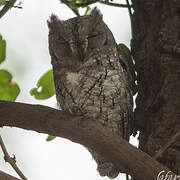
(90, 76)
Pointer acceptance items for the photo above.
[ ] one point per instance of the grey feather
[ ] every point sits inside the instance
(89, 76)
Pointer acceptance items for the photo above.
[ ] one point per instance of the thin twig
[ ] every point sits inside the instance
(161, 151)
(74, 7)
(130, 14)
(84, 4)
(10, 160)
(129, 8)
(114, 4)
(68, 4)
(76, 12)
(9, 4)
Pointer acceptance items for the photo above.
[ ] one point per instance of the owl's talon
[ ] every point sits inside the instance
(108, 169)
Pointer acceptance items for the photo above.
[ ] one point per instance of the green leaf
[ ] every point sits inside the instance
(45, 87)
(72, 4)
(2, 2)
(8, 89)
(87, 10)
(78, 1)
(2, 49)
(50, 138)
(125, 52)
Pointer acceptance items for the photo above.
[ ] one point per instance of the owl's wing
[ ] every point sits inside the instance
(107, 97)
(100, 89)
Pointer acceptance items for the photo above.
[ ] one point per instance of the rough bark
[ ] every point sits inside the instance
(4, 176)
(43, 119)
(156, 50)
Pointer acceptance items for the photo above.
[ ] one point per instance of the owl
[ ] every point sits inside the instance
(90, 77)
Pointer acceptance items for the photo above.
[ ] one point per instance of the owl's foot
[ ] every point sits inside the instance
(107, 169)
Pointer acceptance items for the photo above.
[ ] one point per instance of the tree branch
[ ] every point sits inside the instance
(160, 152)
(87, 132)
(114, 4)
(10, 160)
(9, 4)
(4, 176)
(84, 4)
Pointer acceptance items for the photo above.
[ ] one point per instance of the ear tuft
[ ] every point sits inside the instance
(53, 20)
(54, 23)
(96, 14)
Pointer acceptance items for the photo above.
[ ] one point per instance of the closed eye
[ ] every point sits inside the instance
(94, 34)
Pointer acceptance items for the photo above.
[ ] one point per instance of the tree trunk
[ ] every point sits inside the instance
(156, 50)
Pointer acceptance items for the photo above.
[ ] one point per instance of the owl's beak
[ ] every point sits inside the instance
(73, 48)
(84, 45)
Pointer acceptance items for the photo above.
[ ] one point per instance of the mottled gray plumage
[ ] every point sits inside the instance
(90, 77)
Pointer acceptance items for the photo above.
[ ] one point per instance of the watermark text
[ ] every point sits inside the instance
(163, 175)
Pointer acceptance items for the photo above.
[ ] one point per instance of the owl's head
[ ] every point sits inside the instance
(80, 35)
(89, 25)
